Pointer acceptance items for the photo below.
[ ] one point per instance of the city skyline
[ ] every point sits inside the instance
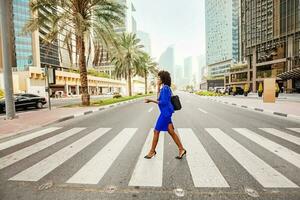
(172, 26)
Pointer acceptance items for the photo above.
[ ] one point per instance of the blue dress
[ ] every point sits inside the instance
(166, 109)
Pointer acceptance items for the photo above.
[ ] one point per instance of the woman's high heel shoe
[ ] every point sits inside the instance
(181, 156)
(149, 157)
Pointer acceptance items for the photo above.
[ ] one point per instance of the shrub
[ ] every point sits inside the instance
(116, 96)
(260, 87)
(277, 88)
(1, 93)
(234, 89)
(151, 92)
(208, 93)
(140, 93)
(246, 88)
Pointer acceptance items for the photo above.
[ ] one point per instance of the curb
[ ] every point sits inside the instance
(284, 115)
(63, 119)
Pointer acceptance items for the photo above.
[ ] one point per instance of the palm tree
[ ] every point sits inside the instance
(127, 57)
(148, 66)
(87, 19)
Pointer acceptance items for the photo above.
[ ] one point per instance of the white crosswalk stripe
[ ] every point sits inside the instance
(261, 171)
(204, 172)
(149, 172)
(30, 150)
(283, 135)
(94, 170)
(21, 139)
(295, 129)
(42, 168)
(281, 151)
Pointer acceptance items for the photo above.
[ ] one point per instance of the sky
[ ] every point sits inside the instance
(173, 22)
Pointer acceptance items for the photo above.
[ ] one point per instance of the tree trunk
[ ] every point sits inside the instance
(96, 56)
(146, 84)
(101, 56)
(85, 97)
(129, 82)
(89, 52)
(70, 52)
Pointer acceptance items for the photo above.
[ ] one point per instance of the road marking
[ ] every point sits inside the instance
(93, 171)
(202, 110)
(261, 171)
(30, 150)
(203, 170)
(283, 135)
(42, 168)
(150, 110)
(275, 148)
(149, 172)
(25, 138)
(295, 129)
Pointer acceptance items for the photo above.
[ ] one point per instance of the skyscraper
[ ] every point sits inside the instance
(167, 61)
(129, 21)
(145, 40)
(271, 41)
(222, 36)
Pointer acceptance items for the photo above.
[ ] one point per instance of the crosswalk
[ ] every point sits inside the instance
(204, 171)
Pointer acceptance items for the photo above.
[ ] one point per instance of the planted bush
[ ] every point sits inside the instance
(140, 93)
(116, 96)
(260, 89)
(246, 90)
(234, 90)
(208, 93)
(1, 93)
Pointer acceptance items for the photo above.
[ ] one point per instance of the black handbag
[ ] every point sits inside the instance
(176, 102)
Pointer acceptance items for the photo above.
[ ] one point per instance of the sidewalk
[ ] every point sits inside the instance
(31, 120)
(286, 106)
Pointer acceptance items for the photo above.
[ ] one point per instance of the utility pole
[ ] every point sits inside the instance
(48, 86)
(7, 64)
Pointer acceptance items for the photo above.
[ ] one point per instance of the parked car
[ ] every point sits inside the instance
(239, 91)
(25, 101)
(219, 90)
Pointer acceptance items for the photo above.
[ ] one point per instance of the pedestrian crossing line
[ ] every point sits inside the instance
(149, 172)
(93, 171)
(42, 168)
(281, 151)
(21, 139)
(267, 176)
(203, 170)
(283, 135)
(30, 150)
(294, 129)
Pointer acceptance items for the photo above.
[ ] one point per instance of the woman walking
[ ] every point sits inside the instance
(164, 121)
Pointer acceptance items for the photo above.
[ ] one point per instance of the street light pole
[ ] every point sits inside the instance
(7, 64)
(48, 86)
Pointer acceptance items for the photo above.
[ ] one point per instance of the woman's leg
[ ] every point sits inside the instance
(175, 137)
(154, 142)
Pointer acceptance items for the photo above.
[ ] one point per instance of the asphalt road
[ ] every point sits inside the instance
(232, 154)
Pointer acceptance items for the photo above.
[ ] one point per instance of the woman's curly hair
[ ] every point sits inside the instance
(165, 77)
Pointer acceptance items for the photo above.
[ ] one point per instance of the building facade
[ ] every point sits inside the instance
(167, 61)
(270, 43)
(30, 55)
(222, 36)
